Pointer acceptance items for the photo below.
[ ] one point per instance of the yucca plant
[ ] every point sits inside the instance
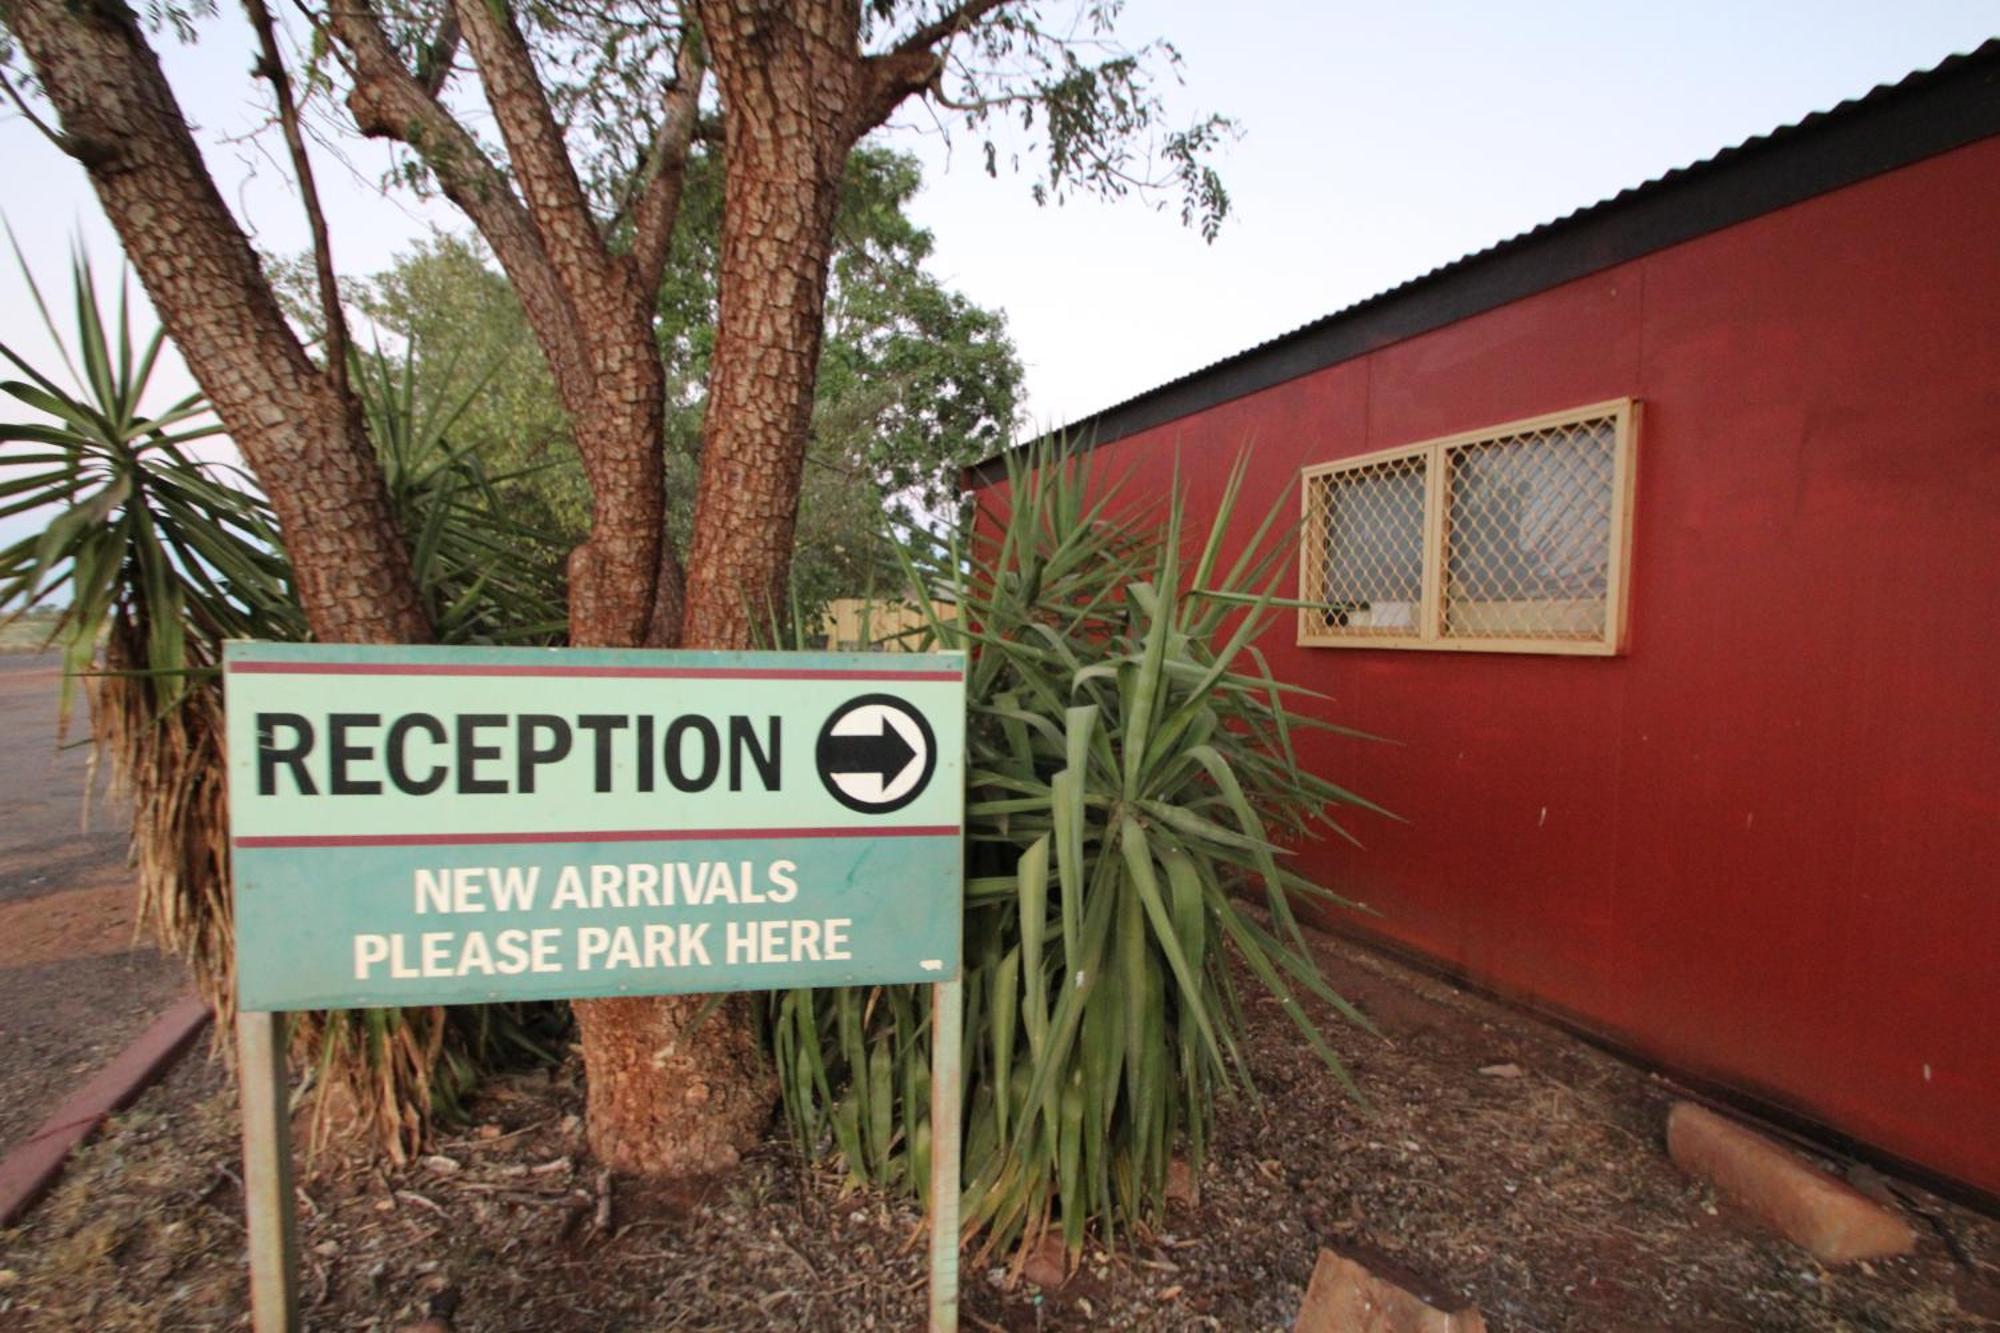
(486, 576)
(1131, 776)
(139, 527)
(153, 557)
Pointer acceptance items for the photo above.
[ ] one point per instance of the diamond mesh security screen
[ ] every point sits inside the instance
(1370, 548)
(1508, 539)
(1528, 533)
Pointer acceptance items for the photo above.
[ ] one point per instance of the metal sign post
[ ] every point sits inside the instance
(421, 825)
(947, 1046)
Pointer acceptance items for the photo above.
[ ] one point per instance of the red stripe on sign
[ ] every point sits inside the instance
(606, 835)
(604, 672)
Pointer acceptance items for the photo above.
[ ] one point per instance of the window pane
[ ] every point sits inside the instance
(1529, 537)
(1371, 547)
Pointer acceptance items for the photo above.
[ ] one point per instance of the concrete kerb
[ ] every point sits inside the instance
(1809, 1207)
(27, 1172)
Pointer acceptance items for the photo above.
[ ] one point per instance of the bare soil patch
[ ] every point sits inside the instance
(1545, 1198)
(76, 982)
(79, 923)
(27, 637)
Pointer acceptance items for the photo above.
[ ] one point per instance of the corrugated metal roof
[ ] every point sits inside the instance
(1772, 146)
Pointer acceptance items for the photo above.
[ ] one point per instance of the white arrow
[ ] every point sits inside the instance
(932, 964)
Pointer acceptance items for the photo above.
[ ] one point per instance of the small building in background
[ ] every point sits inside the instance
(880, 625)
(1664, 543)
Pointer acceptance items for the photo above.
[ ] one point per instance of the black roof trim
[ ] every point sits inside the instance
(1927, 113)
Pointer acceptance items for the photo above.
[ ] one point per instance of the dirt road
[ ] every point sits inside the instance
(75, 983)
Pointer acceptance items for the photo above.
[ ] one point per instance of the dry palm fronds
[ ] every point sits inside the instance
(382, 1069)
(165, 557)
(168, 761)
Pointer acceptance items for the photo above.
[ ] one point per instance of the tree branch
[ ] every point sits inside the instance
(983, 104)
(48, 131)
(948, 25)
(434, 66)
(588, 312)
(535, 148)
(388, 102)
(308, 448)
(271, 67)
(915, 63)
(659, 202)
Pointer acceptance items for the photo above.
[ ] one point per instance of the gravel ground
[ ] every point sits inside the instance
(1544, 1197)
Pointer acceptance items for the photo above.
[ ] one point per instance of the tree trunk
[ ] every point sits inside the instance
(619, 407)
(790, 77)
(666, 1096)
(305, 442)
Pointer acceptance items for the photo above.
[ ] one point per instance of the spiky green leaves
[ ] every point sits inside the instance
(1132, 777)
(137, 525)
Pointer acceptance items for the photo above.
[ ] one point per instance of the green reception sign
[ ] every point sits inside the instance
(451, 826)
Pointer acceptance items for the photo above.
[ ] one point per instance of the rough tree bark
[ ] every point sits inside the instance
(797, 94)
(669, 1089)
(301, 436)
(790, 75)
(591, 310)
(667, 1095)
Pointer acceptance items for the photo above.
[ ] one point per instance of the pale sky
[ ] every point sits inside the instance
(1380, 141)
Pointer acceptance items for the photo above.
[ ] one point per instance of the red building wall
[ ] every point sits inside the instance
(1763, 846)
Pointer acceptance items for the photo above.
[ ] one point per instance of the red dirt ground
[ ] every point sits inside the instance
(76, 983)
(1546, 1199)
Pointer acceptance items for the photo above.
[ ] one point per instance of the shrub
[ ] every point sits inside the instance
(1131, 770)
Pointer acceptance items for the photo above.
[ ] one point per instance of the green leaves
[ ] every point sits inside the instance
(487, 576)
(139, 529)
(1130, 781)
(152, 557)
(1060, 83)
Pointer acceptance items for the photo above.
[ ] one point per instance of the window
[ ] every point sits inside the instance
(1511, 539)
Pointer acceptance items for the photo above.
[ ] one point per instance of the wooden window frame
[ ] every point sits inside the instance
(1429, 633)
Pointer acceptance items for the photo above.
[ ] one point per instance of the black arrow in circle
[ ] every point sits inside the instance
(885, 754)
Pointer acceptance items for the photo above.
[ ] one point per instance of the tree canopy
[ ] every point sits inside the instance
(915, 382)
(570, 134)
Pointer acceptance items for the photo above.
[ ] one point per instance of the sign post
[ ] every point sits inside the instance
(269, 1222)
(421, 825)
(947, 1045)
